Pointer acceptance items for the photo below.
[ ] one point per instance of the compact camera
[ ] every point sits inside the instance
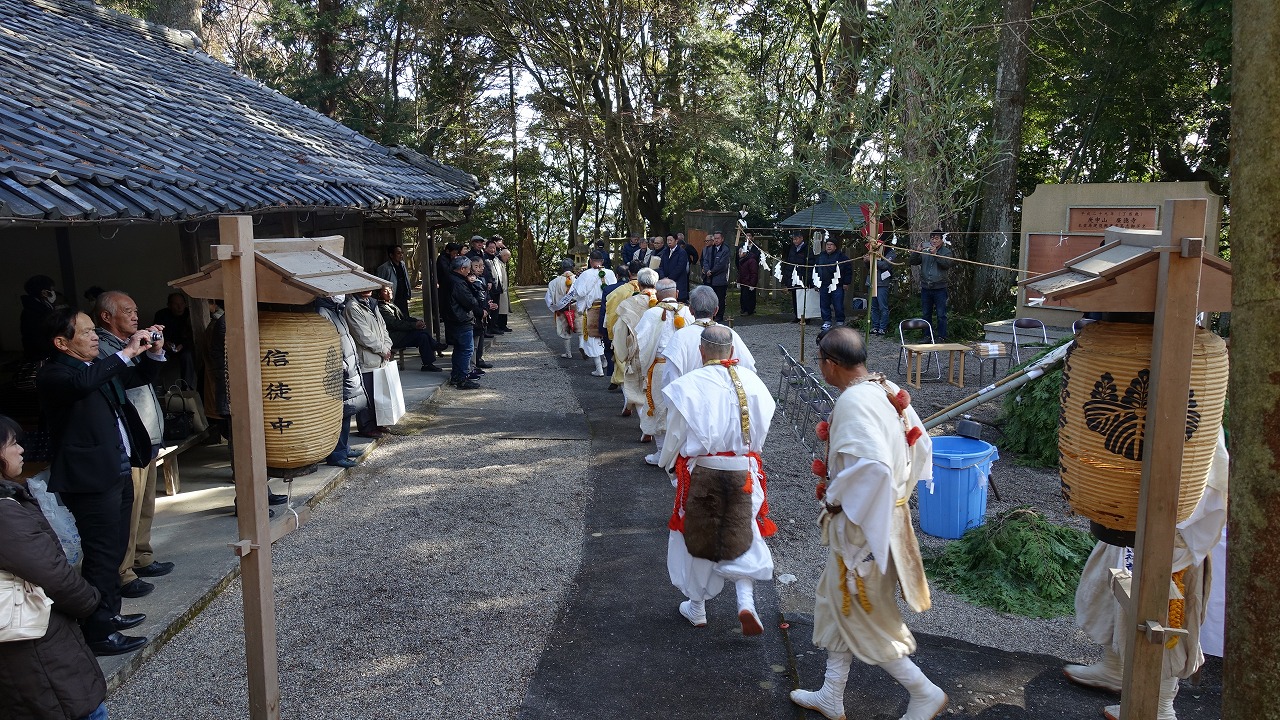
(156, 337)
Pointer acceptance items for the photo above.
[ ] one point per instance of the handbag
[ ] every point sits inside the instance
(24, 608)
(183, 413)
(388, 397)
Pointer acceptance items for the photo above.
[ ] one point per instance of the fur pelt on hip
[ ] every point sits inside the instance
(717, 515)
(592, 326)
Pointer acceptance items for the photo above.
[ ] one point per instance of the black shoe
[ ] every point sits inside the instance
(136, 589)
(235, 511)
(124, 622)
(468, 385)
(116, 644)
(274, 499)
(488, 334)
(483, 365)
(342, 462)
(353, 454)
(430, 367)
(155, 569)
(613, 387)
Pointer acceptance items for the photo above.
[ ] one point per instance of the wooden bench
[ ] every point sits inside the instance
(167, 460)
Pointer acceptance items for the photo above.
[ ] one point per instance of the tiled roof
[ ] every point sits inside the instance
(105, 117)
(834, 215)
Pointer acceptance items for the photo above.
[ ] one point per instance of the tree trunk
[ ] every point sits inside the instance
(995, 239)
(327, 56)
(1252, 664)
(844, 87)
(177, 14)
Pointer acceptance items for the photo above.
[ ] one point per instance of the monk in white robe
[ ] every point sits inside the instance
(559, 299)
(611, 303)
(626, 344)
(877, 452)
(590, 305)
(1101, 615)
(718, 419)
(683, 351)
(654, 330)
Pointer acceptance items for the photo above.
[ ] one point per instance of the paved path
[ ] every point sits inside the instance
(506, 559)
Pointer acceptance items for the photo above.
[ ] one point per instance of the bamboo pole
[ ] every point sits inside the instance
(249, 460)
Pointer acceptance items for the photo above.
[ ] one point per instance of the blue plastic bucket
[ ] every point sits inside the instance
(959, 500)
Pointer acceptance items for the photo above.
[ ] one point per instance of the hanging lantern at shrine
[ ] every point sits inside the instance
(301, 365)
(1106, 386)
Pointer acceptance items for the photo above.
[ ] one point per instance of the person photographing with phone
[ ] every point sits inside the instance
(935, 260)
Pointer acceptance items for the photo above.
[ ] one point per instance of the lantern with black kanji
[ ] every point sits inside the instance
(301, 364)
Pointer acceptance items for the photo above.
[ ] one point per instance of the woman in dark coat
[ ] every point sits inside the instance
(55, 677)
(675, 265)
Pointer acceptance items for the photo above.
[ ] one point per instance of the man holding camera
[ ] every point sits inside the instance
(98, 439)
(116, 315)
(934, 261)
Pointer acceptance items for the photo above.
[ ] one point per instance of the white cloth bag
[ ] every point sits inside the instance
(388, 397)
(24, 608)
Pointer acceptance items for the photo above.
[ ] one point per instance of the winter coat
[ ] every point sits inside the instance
(481, 296)
(715, 265)
(462, 308)
(627, 253)
(353, 398)
(55, 677)
(794, 260)
(827, 264)
(749, 269)
(675, 265)
(933, 267)
(369, 332)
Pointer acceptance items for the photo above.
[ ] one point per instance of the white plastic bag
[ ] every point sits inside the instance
(388, 397)
(59, 517)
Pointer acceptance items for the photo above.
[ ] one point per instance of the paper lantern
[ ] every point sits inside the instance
(301, 363)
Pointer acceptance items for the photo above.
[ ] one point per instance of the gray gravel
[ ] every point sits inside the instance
(796, 549)
(424, 587)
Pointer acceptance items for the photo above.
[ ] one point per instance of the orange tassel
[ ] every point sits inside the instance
(901, 401)
(824, 431)
(819, 468)
(679, 322)
(822, 491)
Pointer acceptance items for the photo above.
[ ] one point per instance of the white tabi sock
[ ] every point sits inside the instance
(751, 624)
(568, 348)
(829, 699)
(1164, 710)
(927, 699)
(599, 371)
(1106, 674)
(695, 611)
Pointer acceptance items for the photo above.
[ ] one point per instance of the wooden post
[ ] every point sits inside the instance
(1177, 295)
(249, 461)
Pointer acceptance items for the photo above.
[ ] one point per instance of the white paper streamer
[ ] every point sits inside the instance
(817, 279)
(795, 278)
(777, 272)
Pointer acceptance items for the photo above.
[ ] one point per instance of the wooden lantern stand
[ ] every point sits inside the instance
(1160, 273)
(298, 270)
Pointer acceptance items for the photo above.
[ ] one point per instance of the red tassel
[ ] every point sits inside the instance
(767, 526)
(824, 431)
(913, 435)
(822, 491)
(901, 401)
(819, 468)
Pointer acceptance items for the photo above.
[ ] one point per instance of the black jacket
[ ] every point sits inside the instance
(796, 259)
(462, 307)
(827, 268)
(80, 402)
(55, 676)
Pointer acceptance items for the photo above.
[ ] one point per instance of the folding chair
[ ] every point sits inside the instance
(993, 356)
(1028, 324)
(924, 326)
(1075, 326)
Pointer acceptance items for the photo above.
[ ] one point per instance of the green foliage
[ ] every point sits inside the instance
(1018, 563)
(1031, 418)
(963, 328)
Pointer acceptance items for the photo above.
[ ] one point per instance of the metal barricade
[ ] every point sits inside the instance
(805, 402)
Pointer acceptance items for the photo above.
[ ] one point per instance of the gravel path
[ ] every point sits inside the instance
(797, 552)
(424, 587)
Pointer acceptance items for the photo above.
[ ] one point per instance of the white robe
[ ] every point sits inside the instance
(1101, 616)
(684, 354)
(627, 344)
(704, 419)
(872, 472)
(654, 331)
(557, 291)
(586, 291)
